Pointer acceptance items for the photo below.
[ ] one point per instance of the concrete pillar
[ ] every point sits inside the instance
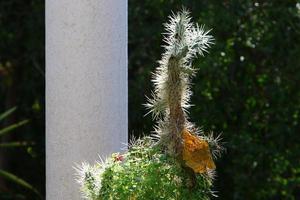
(86, 87)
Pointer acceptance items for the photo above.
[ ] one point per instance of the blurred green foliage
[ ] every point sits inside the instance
(22, 84)
(247, 88)
(5, 175)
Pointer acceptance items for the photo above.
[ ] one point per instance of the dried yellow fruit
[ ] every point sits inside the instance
(196, 153)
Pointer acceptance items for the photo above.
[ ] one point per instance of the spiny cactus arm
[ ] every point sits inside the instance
(170, 100)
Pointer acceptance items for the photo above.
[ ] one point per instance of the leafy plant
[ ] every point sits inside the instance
(3, 173)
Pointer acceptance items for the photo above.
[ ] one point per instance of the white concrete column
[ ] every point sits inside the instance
(86, 87)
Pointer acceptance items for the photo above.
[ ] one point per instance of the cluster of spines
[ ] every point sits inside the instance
(184, 40)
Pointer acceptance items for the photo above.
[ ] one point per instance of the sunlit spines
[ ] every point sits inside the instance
(183, 41)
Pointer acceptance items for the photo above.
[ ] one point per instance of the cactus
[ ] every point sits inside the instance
(177, 162)
(170, 101)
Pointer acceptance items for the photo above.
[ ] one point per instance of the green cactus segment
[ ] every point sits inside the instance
(143, 173)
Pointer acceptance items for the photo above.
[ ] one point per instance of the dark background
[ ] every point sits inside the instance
(22, 84)
(247, 88)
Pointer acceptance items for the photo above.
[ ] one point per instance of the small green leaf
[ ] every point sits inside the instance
(7, 113)
(13, 127)
(13, 178)
(16, 144)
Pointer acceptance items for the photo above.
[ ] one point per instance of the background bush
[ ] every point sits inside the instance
(247, 88)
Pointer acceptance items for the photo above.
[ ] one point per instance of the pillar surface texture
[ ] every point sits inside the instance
(86, 87)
